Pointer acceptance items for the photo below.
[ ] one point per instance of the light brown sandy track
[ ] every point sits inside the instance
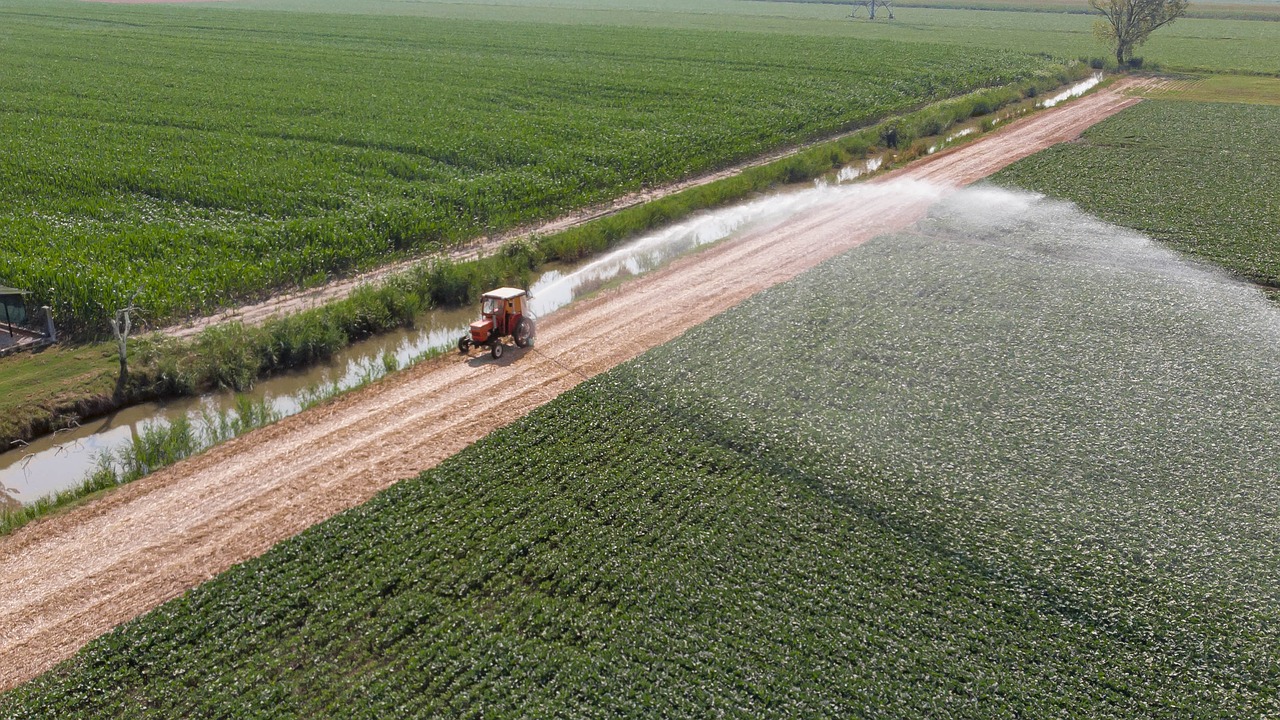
(71, 577)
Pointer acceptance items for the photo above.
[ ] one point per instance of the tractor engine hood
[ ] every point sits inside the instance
(480, 330)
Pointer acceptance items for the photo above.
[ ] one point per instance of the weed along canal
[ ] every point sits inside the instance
(53, 463)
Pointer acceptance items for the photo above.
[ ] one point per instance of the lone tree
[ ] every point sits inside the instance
(1128, 23)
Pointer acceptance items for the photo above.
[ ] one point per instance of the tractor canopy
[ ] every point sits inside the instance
(503, 302)
(504, 293)
(495, 300)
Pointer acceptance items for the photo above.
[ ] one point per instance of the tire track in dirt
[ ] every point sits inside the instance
(71, 577)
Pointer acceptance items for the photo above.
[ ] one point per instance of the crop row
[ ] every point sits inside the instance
(1025, 475)
(205, 156)
(564, 570)
(1210, 189)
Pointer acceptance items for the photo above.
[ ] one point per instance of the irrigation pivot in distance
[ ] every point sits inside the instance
(870, 5)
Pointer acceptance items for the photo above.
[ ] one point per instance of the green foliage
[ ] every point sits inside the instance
(224, 356)
(210, 155)
(301, 340)
(157, 446)
(1220, 88)
(234, 356)
(1126, 24)
(976, 497)
(1202, 177)
(461, 283)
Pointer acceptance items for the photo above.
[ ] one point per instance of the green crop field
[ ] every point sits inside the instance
(1191, 44)
(198, 155)
(1202, 177)
(1246, 89)
(1019, 464)
(203, 155)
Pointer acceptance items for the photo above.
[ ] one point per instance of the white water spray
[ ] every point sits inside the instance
(1074, 91)
(853, 171)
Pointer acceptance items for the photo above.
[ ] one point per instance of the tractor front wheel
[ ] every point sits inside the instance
(464, 344)
(496, 351)
(524, 332)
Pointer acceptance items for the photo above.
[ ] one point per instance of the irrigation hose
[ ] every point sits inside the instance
(557, 362)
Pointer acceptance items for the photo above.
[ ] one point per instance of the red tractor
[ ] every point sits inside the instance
(504, 313)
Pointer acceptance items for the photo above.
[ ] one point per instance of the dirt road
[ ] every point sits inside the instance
(71, 577)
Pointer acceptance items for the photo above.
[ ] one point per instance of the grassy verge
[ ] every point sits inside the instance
(1202, 177)
(164, 444)
(52, 388)
(957, 506)
(65, 384)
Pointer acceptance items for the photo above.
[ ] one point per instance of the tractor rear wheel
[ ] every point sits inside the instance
(524, 332)
(496, 351)
(464, 344)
